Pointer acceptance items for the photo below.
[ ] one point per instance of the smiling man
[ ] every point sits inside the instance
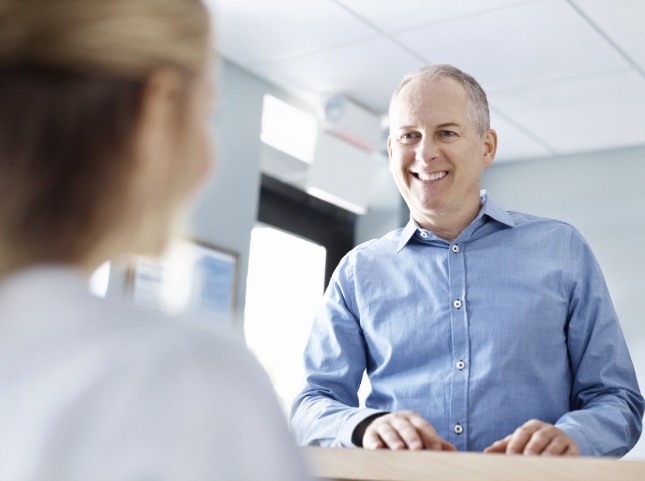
(479, 329)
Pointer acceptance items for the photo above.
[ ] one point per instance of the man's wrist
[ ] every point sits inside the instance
(359, 430)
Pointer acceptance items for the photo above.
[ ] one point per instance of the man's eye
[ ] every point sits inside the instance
(408, 137)
(447, 133)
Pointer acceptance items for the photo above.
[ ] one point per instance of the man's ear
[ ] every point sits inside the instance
(389, 150)
(490, 147)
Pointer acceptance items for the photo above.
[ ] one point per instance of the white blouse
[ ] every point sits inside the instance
(96, 390)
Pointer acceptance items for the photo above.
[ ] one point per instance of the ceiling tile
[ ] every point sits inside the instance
(555, 82)
(601, 112)
(250, 30)
(623, 21)
(356, 71)
(527, 44)
(513, 143)
(391, 17)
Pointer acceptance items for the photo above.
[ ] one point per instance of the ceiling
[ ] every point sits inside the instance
(562, 76)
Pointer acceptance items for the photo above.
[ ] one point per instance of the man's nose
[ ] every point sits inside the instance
(427, 150)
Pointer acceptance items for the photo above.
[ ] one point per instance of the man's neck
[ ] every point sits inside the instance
(449, 225)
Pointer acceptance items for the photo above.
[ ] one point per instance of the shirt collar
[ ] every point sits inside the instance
(488, 209)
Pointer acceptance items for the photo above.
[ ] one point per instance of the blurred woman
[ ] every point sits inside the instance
(104, 108)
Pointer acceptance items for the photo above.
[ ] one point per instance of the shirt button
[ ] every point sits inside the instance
(460, 364)
(455, 248)
(458, 429)
(424, 234)
(457, 304)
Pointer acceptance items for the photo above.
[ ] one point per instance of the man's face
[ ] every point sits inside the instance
(437, 157)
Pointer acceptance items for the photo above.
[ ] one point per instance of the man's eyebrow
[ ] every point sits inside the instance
(448, 124)
(440, 126)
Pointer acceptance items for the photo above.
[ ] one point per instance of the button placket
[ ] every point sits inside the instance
(460, 343)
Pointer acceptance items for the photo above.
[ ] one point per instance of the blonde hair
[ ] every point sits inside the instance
(72, 74)
(126, 38)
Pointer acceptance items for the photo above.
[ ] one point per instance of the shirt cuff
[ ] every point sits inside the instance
(354, 420)
(579, 437)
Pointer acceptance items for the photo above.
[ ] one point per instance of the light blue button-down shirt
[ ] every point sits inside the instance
(511, 321)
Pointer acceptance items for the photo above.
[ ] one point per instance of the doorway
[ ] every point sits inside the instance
(295, 247)
(283, 291)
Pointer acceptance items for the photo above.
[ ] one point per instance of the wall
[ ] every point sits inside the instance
(603, 195)
(386, 211)
(225, 210)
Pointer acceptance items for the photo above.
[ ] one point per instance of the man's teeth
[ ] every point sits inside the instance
(433, 176)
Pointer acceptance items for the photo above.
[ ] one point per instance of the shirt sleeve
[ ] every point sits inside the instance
(607, 406)
(327, 410)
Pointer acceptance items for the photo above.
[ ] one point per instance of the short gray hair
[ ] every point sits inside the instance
(477, 101)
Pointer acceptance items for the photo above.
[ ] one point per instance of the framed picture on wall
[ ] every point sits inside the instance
(192, 277)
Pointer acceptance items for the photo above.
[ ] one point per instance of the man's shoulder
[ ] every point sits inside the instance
(522, 218)
(536, 230)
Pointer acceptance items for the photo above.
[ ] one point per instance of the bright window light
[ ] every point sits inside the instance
(284, 289)
(288, 129)
(100, 279)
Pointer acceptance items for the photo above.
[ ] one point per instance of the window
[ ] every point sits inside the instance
(293, 253)
(283, 291)
(288, 129)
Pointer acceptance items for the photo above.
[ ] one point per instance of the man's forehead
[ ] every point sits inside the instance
(430, 87)
(425, 97)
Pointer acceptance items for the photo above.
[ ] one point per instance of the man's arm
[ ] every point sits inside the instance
(326, 412)
(606, 405)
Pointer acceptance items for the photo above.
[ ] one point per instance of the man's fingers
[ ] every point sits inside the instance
(572, 449)
(446, 446)
(404, 430)
(499, 446)
(382, 435)
(561, 445)
(557, 446)
(428, 436)
(372, 441)
(536, 438)
(551, 441)
(546, 437)
(522, 436)
(407, 431)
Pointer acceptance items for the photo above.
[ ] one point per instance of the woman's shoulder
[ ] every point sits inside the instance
(49, 310)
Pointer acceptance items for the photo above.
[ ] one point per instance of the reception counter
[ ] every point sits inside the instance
(363, 465)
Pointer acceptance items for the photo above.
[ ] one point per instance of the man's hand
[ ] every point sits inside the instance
(403, 430)
(536, 438)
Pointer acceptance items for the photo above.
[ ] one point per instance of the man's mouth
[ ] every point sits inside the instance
(430, 177)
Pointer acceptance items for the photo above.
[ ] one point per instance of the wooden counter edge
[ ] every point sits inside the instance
(363, 465)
